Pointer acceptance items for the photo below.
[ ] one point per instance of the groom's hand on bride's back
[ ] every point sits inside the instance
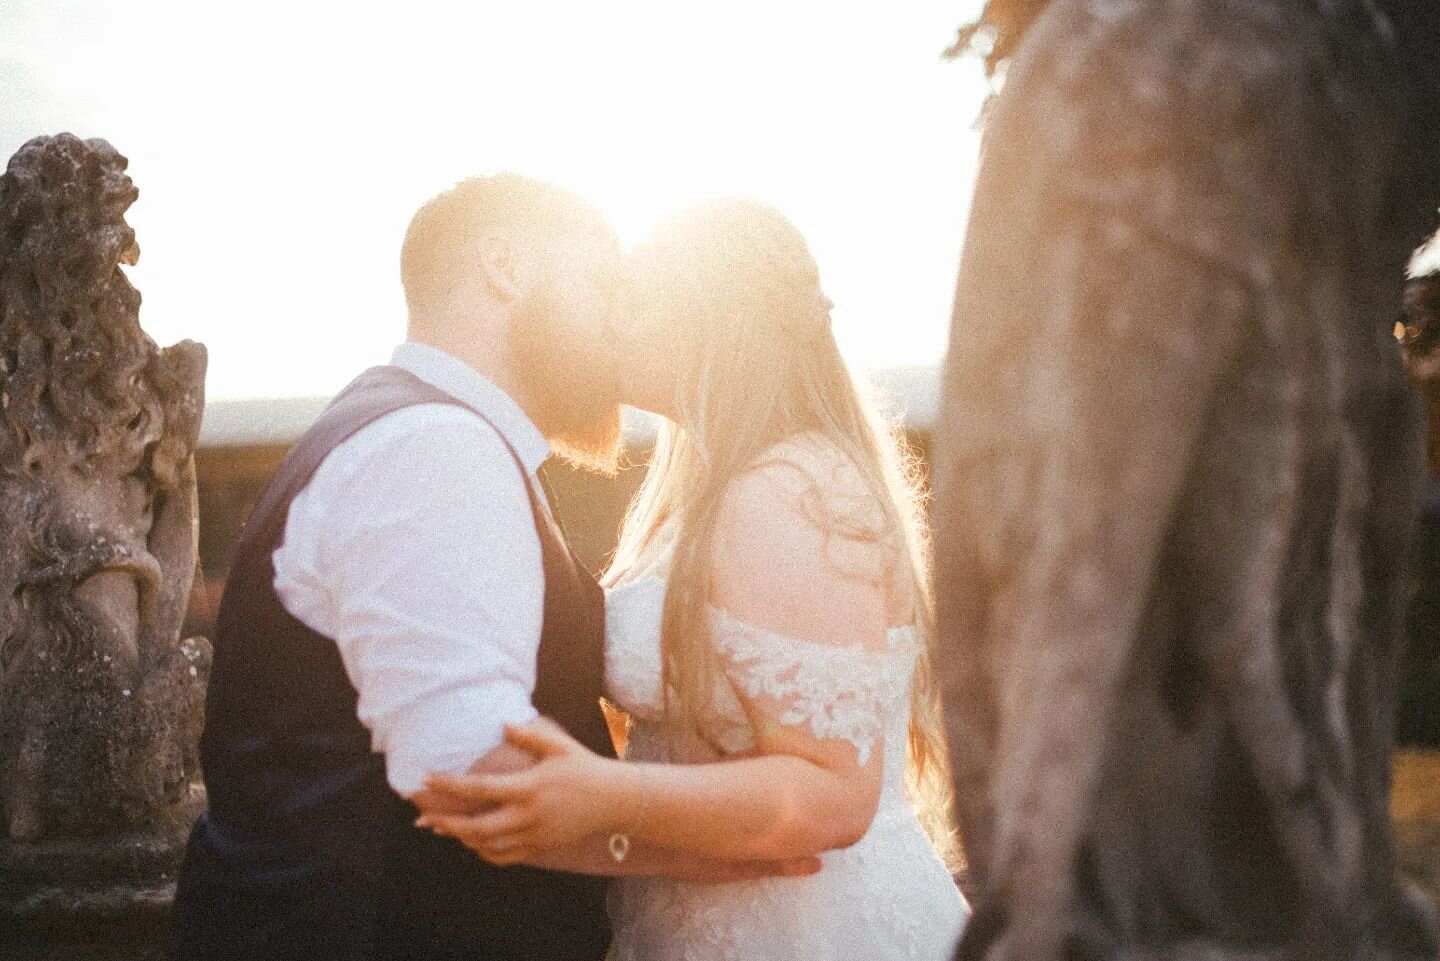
(507, 758)
(728, 872)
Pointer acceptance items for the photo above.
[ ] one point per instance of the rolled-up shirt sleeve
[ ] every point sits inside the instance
(416, 551)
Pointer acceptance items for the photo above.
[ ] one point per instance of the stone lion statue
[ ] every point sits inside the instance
(100, 701)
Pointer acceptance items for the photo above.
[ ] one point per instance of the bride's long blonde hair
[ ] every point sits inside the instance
(757, 365)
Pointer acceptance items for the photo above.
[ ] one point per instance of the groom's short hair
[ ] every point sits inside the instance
(434, 253)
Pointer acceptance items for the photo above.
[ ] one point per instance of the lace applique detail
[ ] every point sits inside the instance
(837, 691)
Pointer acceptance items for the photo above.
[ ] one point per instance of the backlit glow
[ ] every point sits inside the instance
(281, 146)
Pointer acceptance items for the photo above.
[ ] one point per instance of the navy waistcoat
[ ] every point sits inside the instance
(306, 851)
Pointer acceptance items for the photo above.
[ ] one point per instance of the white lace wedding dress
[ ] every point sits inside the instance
(887, 898)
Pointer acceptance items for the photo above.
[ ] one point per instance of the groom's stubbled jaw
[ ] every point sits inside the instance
(558, 348)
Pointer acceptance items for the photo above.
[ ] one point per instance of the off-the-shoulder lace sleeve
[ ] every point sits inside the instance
(836, 691)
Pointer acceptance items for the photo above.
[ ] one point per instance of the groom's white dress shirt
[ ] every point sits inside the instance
(414, 548)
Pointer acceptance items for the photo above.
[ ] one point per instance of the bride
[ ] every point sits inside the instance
(767, 608)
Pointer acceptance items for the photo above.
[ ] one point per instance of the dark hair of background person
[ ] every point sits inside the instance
(1417, 720)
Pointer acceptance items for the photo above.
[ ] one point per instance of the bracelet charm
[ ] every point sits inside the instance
(620, 840)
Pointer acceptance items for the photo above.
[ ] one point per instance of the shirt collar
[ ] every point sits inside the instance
(461, 381)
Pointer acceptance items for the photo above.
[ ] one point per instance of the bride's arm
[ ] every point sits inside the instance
(592, 856)
(811, 789)
(768, 808)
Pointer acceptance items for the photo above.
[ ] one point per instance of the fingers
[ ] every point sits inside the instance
(501, 853)
(786, 868)
(726, 875)
(489, 826)
(500, 838)
(473, 789)
(798, 867)
(433, 802)
(541, 737)
(728, 872)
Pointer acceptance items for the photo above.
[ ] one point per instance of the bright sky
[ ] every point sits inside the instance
(280, 147)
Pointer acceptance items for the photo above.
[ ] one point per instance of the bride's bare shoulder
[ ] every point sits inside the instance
(812, 477)
(802, 528)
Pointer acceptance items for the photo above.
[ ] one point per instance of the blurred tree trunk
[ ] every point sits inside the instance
(1175, 466)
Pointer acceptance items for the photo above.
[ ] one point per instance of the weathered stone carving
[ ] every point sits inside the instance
(1175, 472)
(100, 700)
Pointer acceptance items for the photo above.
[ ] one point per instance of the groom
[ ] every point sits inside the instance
(399, 594)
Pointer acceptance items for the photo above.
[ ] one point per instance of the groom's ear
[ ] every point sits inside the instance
(499, 266)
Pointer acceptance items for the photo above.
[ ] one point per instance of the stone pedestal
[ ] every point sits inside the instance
(93, 899)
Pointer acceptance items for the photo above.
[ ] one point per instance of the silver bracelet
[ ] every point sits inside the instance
(620, 840)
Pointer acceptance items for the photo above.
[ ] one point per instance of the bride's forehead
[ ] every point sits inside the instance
(589, 257)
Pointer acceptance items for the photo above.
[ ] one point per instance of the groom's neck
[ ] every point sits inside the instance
(483, 351)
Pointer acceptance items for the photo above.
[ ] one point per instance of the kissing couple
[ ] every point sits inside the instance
(405, 748)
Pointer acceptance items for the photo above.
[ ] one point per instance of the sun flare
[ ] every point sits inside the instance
(281, 148)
